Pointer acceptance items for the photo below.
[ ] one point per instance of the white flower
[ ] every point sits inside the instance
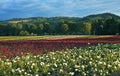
(36, 75)
(83, 66)
(38, 55)
(90, 62)
(119, 65)
(84, 74)
(17, 57)
(55, 64)
(77, 66)
(65, 64)
(115, 67)
(28, 57)
(94, 74)
(42, 63)
(76, 69)
(7, 59)
(8, 63)
(95, 69)
(13, 70)
(52, 53)
(91, 50)
(80, 56)
(48, 73)
(100, 62)
(73, 60)
(104, 63)
(98, 57)
(71, 73)
(28, 62)
(101, 71)
(33, 64)
(63, 60)
(22, 70)
(61, 70)
(109, 65)
(19, 71)
(35, 56)
(14, 61)
(53, 69)
(25, 73)
(54, 59)
(88, 43)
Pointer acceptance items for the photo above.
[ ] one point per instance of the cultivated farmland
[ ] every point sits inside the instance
(60, 56)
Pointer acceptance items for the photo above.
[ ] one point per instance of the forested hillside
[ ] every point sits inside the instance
(99, 24)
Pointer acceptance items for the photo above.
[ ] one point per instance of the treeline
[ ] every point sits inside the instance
(109, 26)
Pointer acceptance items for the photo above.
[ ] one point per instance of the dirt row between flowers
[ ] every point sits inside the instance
(17, 48)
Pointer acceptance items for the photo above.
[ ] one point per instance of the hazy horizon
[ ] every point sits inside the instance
(51, 8)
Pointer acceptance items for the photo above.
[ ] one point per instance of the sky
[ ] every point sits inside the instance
(51, 8)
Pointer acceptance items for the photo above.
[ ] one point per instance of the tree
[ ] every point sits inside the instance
(87, 28)
(97, 27)
(80, 28)
(40, 29)
(40, 26)
(19, 26)
(47, 28)
(72, 27)
(64, 28)
(111, 26)
(31, 27)
(12, 29)
(23, 33)
(2, 30)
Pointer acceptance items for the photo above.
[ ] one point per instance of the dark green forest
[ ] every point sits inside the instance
(99, 24)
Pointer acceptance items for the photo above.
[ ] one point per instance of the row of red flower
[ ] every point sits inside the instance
(15, 48)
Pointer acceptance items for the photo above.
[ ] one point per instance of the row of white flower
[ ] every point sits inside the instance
(100, 60)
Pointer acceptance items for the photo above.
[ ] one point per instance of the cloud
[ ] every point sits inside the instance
(47, 8)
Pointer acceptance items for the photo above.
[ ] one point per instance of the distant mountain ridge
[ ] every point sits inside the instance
(60, 18)
(101, 16)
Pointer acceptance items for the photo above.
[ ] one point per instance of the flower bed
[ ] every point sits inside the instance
(17, 48)
(100, 60)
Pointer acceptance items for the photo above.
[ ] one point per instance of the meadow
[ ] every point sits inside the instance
(59, 55)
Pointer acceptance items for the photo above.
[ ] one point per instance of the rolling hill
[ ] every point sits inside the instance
(58, 19)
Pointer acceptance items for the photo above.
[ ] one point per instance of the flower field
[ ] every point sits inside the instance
(19, 47)
(80, 56)
(100, 60)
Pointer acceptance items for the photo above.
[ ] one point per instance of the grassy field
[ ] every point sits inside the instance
(48, 37)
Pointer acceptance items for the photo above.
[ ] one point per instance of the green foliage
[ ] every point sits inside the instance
(40, 26)
(100, 24)
(100, 60)
(108, 26)
(19, 26)
(23, 33)
(87, 28)
(64, 28)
